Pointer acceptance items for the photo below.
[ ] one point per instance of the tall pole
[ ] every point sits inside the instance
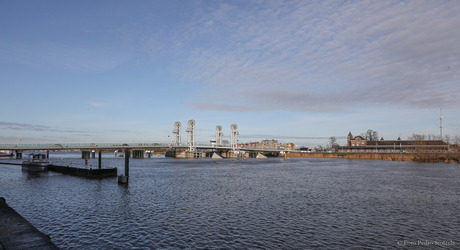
(440, 124)
(100, 158)
(123, 179)
(127, 163)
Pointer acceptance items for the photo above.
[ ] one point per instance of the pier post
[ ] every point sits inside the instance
(93, 154)
(47, 154)
(123, 179)
(100, 159)
(127, 162)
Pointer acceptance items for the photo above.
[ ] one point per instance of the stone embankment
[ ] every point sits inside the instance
(381, 156)
(17, 233)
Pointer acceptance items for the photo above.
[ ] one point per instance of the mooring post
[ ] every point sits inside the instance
(123, 179)
(100, 158)
(47, 154)
(127, 162)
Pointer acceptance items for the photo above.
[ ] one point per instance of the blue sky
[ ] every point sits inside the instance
(298, 71)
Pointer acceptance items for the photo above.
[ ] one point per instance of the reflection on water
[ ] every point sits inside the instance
(257, 203)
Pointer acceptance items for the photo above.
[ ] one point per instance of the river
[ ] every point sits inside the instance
(239, 204)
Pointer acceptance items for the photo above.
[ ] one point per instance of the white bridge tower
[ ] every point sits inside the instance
(176, 132)
(234, 136)
(219, 135)
(191, 135)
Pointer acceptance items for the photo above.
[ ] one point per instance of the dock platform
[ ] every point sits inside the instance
(17, 233)
(84, 172)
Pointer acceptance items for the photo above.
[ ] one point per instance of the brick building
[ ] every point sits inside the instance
(355, 141)
(358, 144)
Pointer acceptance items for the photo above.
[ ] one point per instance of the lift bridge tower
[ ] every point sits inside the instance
(176, 132)
(219, 135)
(191, 135)
(234, 136)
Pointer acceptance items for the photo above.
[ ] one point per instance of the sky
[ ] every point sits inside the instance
(296, 71)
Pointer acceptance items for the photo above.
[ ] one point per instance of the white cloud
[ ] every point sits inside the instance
(327, 55)
(98, 104)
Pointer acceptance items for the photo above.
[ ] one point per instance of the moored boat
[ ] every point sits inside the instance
(36, 163)
(6, 153)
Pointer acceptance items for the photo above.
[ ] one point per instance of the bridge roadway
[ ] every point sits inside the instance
(120, 146)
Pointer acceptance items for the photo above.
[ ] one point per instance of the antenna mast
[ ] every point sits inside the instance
(440, 124)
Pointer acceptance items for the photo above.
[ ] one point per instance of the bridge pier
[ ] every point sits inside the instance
(93, 154)
(85, 154)
(138, 154)
(18, 154)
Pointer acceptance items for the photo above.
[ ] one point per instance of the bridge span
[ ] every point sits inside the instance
(139, 149)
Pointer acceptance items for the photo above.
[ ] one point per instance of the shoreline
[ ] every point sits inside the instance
(18, 233)
(427, 157)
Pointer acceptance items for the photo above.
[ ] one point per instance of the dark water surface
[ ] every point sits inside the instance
(240, 204)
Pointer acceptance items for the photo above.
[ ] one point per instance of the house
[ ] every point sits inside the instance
(355, 141)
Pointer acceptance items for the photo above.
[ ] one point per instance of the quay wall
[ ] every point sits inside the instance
(17, 233)
(370, 156)
(420, 157)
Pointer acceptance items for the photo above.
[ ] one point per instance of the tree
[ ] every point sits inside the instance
(319, 148)
(456, 139)
(333, 142)
(416, 137)
(371, 135)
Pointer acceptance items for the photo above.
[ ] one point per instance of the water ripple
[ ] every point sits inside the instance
(236, 204)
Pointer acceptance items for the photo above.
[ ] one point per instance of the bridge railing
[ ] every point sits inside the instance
(96, 145)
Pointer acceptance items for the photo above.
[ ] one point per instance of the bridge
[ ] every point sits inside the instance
(119, 146)
(176, 149)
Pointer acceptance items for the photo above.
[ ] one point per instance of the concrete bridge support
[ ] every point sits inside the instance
(18, 154)
(85, 154)
(93, 155)
(253, 154)
(138, 154)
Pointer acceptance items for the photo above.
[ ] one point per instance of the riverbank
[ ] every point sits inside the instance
(427, 157)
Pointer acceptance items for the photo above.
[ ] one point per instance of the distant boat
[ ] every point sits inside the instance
(36, 163)
(6, 153)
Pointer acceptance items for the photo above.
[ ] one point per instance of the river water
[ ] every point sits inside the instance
(240, 204)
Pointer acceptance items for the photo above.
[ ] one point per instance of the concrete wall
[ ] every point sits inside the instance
(372, 156)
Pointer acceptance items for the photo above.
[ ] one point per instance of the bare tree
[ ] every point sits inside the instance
(447, 139)
(371, 135)
(456, 139)
(319, 148)
(333, 142)
(416, 137)
(417, 142)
